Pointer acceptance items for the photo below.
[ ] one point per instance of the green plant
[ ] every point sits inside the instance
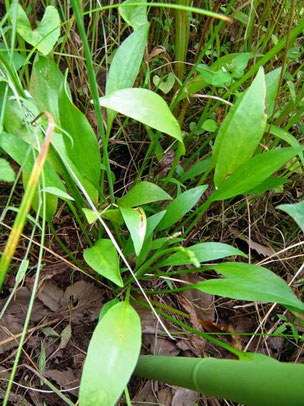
(148, 229)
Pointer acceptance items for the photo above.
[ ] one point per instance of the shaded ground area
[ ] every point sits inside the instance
(68, 302)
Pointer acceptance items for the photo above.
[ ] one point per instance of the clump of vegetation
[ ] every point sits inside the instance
(140, 145)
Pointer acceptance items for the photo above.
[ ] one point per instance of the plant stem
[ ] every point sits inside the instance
(208, 337)
(181, 38)
(94, 91)
(65, 248)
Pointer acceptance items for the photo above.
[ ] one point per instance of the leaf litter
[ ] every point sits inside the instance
(62, 319)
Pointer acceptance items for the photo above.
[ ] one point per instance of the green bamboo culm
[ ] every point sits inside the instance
(182, 38)
(262, 382)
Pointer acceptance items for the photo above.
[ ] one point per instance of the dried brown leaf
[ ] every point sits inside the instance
(84, 300)
(165, 396)
(184, 397)
(66, 379)
(51, 295)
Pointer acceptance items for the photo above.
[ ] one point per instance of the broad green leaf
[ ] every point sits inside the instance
(221, 79)
(17, 119)
(204, 252)
(287, 137)
(136, 223)
(238, 64)
(46, 80)
(210, 125)
(62, 151)
(180, 206)
(241, 131)
(296, 211)
(217, 78)
(135, 16)
(283, 135)
(165, 85)
(18, 149)
(240, 16)
(146, 107)
(126, 62)
(253, 172)
(197, 169)
(272, 80)
(84, 152)
(7, 173)
(103, 258)
(153, 221)
(47, 32)
(250, 282)
(18, 60)
(143, 193)
(112, 355)
(113, 215)
(57, 192)
(90, 215)
(106, 307)
(270, 183)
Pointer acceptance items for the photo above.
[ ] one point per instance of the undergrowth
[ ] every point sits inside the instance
(152, 202)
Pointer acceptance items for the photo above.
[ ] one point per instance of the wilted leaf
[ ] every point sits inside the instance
(65, 336)
(66, 378)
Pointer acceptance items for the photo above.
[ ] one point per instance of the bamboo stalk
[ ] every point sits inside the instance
(262, 382)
